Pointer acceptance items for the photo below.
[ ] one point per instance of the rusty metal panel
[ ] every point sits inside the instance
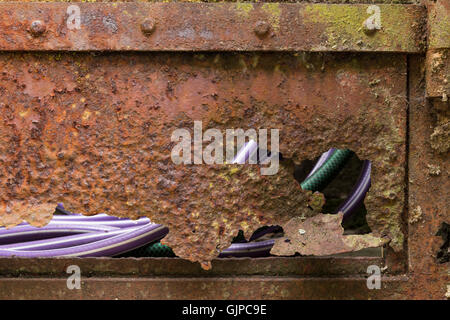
(210, 26)
(94, 132)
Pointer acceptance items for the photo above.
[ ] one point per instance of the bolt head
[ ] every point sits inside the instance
(37, 28)
(261, 29)
(148, 26)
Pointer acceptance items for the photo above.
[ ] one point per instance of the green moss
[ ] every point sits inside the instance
(274, 12)
(244, 9)
(439, 27)
(343, 26)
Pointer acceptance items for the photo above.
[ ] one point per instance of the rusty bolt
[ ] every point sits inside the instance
(261, 29)
(37, 28)
(148, 26)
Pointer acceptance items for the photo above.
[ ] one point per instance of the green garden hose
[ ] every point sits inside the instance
(155, 249)
(319, 179)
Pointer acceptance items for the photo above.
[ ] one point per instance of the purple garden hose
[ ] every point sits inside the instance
(245, 152)
(250, 249)
(81, 236)
(358, 193)
(117, 244)
(114, 223)
(61, 242)
(26, 232)
(323, 158)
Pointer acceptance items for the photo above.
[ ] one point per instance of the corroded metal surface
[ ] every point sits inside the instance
(209, 26)
(93, 131)
(199, 288)
(176, 267)
(428, 196)
(321, 234)
(440, 137)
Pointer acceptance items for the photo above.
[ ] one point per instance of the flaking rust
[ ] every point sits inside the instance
(94, 132)
(321, 235)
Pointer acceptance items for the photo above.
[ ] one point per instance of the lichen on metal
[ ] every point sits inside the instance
(94, 132)
(438, 73)
(438, 53)
(438, 24)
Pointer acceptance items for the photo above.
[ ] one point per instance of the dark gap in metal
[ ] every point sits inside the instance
(406, 209)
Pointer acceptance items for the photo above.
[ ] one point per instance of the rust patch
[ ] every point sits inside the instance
(321, 235)
(100, 141)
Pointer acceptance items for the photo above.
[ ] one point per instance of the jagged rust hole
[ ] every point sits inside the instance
(336, 189)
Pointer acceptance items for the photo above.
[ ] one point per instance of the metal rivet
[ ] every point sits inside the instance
(148, 26)
(37, 28)
(261, 29)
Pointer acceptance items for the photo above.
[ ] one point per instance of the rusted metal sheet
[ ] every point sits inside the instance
(94, 132)
(210, 26)
(321, 235)
(428, 196)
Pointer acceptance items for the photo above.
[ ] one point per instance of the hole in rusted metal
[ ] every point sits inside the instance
(443, 255)
(337, 189)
